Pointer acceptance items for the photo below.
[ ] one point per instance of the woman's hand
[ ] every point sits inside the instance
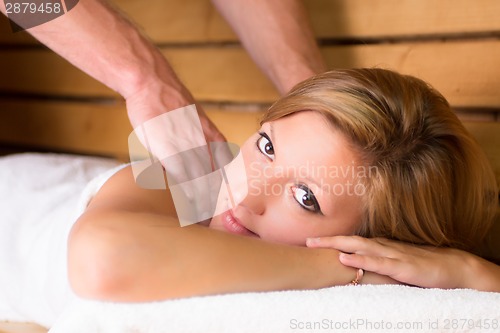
(369, 277)
(423, 266)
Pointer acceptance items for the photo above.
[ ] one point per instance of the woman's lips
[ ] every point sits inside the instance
(233, 225)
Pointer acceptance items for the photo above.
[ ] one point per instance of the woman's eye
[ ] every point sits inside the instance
(265, 146)
(305, 198)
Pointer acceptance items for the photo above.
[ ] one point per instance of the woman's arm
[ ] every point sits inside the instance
(422, 266)
(128, 246)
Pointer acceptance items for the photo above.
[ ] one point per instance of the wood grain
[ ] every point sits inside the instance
(466, 74)
(487, 135)
(94, 129)
(197, 21)
(104, 129)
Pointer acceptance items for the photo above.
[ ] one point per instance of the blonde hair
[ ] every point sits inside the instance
(431, 183)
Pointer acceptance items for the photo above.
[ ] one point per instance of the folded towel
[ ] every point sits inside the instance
(364, 308)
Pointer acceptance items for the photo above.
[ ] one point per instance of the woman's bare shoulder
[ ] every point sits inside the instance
(122, 193)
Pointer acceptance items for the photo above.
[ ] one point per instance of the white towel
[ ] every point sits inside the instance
(41, 195)
(364, 308)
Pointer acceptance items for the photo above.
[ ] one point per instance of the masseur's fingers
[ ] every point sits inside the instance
(220, 152)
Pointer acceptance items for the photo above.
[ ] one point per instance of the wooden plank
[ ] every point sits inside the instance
(466, 72)
(104, 129)
(221, 74)
(236, 125)
(196, 21)
(178, 21)
(395, 18)
(471, 115)
(488, 137)
(12, 327)
(94, 128)
(44, 72)
(68, 127)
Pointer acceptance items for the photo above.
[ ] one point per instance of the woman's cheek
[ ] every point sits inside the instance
(280, 226)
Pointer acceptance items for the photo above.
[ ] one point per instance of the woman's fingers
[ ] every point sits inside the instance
(376, 264)
(377, 255)
(342, 243)
(352, 244)
(422, 266)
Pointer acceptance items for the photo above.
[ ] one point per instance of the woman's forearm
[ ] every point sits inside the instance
(143, 257)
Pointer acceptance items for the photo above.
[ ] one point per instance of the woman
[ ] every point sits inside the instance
(403, 168)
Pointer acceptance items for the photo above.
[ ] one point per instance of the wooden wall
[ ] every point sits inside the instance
(45, 103)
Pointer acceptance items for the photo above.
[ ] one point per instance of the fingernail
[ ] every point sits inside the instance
(312, 241)
(343, 256)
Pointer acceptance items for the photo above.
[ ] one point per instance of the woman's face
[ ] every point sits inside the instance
(301, 181)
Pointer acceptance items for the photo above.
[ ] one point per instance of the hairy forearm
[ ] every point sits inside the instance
(103, 43)
(278, 36)
(144, 257)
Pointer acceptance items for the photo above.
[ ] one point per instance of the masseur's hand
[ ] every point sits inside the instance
(176, 132)
(156, 98)
(423, 266)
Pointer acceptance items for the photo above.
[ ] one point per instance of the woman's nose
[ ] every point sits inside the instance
(260, 192)
(255, 202)
(247, 187)
(236, 178)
